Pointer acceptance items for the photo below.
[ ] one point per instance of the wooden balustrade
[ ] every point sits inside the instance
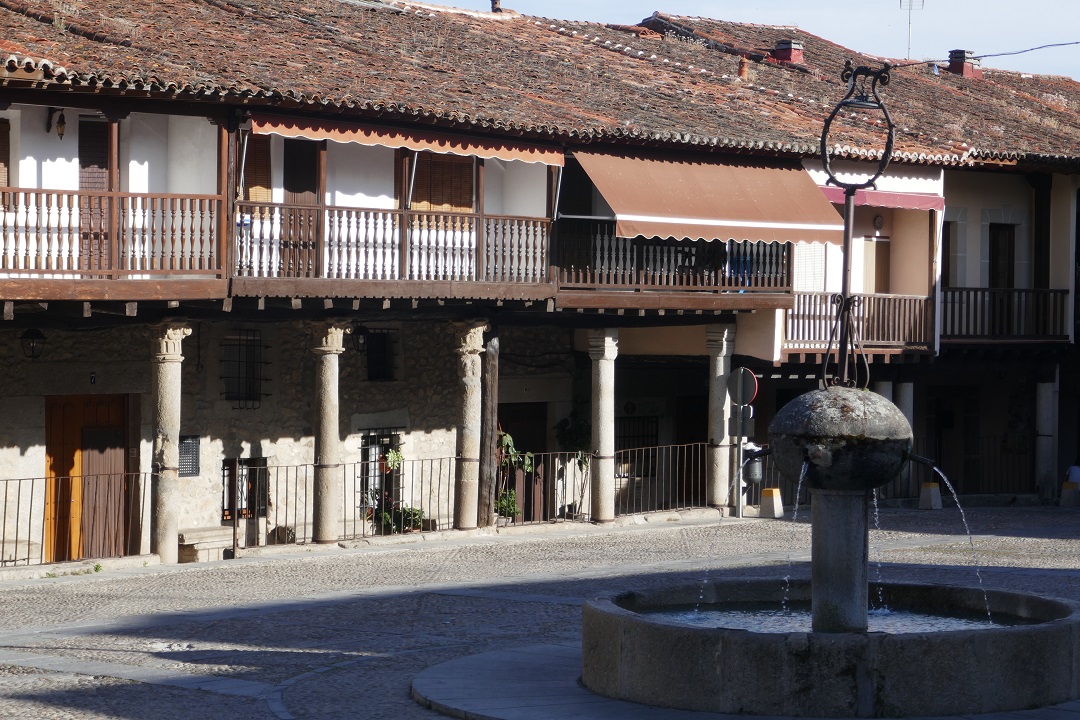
(591, 256)
(881, 321)
(276, 240)
(72, 234)
(980, 314)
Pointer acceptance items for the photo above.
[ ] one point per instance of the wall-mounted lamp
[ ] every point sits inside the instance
(33, 342)
(359, 338)
(61, 122)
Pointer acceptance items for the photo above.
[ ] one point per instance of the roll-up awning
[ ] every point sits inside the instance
(886, 199)
(418, 140)
(707, 199)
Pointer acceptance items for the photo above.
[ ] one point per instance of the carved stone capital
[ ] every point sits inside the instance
(604, 344)
(720, 340)
(166, 346)
(330, 337)
(470, 337)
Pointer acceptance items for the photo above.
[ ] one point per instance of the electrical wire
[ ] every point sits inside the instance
(988, 55)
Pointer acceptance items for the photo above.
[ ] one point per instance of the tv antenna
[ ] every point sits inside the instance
(910, 5)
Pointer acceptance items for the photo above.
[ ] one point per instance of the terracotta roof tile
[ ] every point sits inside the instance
(669, 80)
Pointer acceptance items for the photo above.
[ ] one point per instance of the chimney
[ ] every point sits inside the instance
(496, 5)
(962, 63)
(744, 68)
(789, 51)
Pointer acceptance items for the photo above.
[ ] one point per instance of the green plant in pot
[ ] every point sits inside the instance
(401, 518)
(506, 505)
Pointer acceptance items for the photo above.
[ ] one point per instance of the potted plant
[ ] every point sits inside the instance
(506, 506)
(399, 518)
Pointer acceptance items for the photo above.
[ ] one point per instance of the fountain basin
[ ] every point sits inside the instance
(629, 655)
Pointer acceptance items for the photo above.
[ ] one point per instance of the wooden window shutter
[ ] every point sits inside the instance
(443, 183)
(5, 152)
(93, 155)
(257, 169)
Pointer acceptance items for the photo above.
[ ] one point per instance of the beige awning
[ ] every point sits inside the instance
(418, 140)
(692, 198)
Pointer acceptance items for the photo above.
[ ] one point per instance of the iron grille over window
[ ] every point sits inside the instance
(381, 350)
(376, 476)
(243, 368)
(244, 485)
(189, 455)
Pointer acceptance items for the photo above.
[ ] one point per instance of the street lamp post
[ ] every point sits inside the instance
(862, 94)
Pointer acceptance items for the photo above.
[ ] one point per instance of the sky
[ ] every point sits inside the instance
(875, 27)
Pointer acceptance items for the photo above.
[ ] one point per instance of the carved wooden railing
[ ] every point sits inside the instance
(277, 240)
(71, 234)
(981, 314)
(591, 256)
(881, 321)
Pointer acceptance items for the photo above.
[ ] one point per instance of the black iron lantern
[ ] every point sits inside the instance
(33, 342)
(359, 338)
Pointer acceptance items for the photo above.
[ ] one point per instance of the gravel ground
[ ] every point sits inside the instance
(341, 632)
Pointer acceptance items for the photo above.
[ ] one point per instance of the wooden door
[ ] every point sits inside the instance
(301, 226)
(84, 444)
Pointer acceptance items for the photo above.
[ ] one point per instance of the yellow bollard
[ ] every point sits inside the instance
(771, 504)
(1070, 494)
(930, 496)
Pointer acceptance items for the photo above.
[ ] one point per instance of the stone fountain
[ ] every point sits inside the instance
(843, 442)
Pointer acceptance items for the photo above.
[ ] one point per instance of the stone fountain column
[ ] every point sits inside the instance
(603, 348)
(720, 342)
(839, 558)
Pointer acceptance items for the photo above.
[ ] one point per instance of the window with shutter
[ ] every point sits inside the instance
(93, 154)
(443, 183)
(301, 170)
(5, 152)
(257, 169)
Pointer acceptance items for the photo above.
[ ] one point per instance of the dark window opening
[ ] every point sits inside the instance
(243, 368)
(379, 480)
(381, 351)
(244, 485)
(189, 455)
(1002, 256)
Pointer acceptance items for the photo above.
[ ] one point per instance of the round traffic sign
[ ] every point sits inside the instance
(742, 386)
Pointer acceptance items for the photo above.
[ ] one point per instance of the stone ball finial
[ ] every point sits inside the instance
(851, 439)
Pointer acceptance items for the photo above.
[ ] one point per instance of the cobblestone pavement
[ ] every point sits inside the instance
(341, 632)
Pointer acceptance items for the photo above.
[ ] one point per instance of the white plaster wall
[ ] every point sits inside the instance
(44, 160)
(360, 176)
(515, 188)
(760, 334)
(192, 155)
(987, 198)
(144, 154)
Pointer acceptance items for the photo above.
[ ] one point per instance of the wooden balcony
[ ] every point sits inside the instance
(593, 261)
(310, 250)
(993, 315)
(883, 323)
(161, 246)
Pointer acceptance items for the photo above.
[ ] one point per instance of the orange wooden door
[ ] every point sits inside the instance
(71, 466)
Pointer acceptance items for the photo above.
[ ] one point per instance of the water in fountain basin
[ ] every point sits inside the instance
(769, 618)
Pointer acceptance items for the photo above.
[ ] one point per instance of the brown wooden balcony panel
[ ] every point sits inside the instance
(158, 288)
(630, 300)
(591, 256)
(880, 321)
(1004, 315)
(396, 289)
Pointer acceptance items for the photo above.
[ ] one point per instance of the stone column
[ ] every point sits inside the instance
(166, 494)
(1047, 475)
(720, 342)
(839, 559)
(884, 388)
(603, 348)
(326, 515)
(904, 399)
(467, 485)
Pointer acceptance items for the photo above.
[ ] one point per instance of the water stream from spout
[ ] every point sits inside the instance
(877, 563)
(794, 531)
(971, 541)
